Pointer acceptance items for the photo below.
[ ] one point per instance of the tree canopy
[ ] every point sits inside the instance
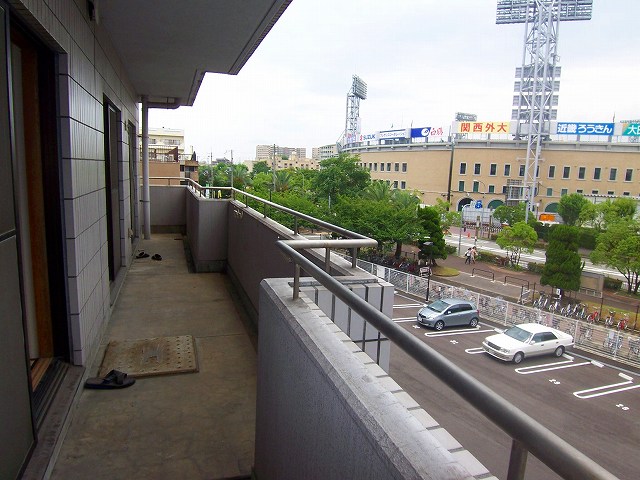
(570, 207)
(516, 239)
(563, 267)
(619, 247)
(429, 218)
(341, 175)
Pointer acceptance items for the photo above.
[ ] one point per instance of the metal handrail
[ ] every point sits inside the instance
(527, 434)
(473, 273)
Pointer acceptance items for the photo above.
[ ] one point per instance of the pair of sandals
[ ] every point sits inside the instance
(143, 254)
(112, 380)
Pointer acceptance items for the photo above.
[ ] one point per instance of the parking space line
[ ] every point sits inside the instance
(474, 351)
(408, 305)
(550, 366)
(404, 319)
(403, 296)
(608, 389)
(455, 332)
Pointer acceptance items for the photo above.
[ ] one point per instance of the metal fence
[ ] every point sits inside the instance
(619, 345)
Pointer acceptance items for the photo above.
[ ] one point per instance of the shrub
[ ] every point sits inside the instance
(534, 267)
(612, 283)
(451, 249)
(587, 238)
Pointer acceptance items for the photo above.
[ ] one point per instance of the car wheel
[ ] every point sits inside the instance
(439, 325)
(473, 323)
(559, 351)
(518, 357)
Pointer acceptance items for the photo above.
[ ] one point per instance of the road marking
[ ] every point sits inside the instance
(455, 332)
(404, 296)
(404, 319)
(607, 389)
(408, 305)
(549, 366)
(622, 406)
(474, 351)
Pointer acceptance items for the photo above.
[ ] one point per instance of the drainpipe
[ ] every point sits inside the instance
(146, 204)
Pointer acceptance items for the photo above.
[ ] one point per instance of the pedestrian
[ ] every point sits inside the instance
(467, 256)
(474, 254)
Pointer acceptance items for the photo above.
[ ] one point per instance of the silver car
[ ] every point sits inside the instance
(448, 312)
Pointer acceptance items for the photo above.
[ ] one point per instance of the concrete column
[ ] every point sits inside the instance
(146, 204)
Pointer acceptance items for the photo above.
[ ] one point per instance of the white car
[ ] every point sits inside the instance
(527, 340)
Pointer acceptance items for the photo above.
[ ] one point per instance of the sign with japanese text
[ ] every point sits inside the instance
(631, 129)
(577, 128)
(483, 127)
(427, 132)
(392, 134)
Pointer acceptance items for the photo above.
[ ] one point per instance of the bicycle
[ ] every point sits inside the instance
(624, 321)
(593, 317)
(555, 306)
(608, 321)
(541, 301)
(581, 311)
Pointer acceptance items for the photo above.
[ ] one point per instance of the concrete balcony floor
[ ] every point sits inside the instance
(192, 425)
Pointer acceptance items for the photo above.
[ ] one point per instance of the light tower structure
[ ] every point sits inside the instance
(537, 81)
(357, 92)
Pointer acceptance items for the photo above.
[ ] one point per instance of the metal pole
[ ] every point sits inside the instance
(460, 233)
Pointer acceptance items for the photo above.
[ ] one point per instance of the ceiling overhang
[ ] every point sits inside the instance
(167, 46)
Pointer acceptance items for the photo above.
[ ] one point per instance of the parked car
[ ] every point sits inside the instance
(527, 340)
(448, 312)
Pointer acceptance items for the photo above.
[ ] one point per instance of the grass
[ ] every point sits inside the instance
(442, 271)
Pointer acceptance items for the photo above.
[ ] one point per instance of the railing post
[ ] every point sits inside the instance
(517, 461)
(296, 281)
(327, 260)
(295, 225)
(354, 257)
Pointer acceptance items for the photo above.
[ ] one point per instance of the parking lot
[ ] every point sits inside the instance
(591, 404)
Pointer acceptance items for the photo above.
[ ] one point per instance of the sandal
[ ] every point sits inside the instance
(142, 254)
(156, 257)
(113, 379)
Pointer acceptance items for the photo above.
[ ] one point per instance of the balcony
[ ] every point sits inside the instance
(282, 391)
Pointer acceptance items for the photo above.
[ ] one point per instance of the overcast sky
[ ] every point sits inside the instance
(422, 60)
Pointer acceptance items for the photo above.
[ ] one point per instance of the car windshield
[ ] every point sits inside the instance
(437, 306)
(518, 333)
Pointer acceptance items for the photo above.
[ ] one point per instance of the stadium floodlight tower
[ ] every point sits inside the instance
(535, 99)
(357, 92)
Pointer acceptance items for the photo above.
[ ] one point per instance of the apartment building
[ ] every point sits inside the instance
(323, 152)
(267, 152)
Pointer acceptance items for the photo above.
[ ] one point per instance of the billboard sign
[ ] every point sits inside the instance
(387, 134)
(578, 128)
(425, 132)
(483, 127)
(631, 129)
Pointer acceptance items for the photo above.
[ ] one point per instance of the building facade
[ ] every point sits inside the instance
(324, 152)
(266, 152)
(493, 171)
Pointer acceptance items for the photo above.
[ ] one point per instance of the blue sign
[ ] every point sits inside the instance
(420, 132)
(478, 204)
(585, 128)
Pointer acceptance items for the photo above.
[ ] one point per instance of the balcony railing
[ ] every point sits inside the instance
(527, 434)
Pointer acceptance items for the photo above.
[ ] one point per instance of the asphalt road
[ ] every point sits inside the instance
(584, 401)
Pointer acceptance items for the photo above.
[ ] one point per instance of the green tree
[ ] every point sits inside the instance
(563, 266)
(510, 214)
(240, 174)
(570, 206)
(261, 167)
(339, 176)
(283, 180)
(619, 247)
(516, 239)
(448, 217)
(378, 190)
(429, 219)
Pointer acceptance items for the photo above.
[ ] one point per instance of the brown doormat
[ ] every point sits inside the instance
(151, 356)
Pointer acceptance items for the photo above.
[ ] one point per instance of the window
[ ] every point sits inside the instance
(581, 173)
(626, 194)
(521, 172)
(403, 185)
(611, 192)
(596, 173)
(563, 192)
(594, 192)
(382, 167)
(492, 189)
(628, 175)
(395, 183)
(375, 167)
(612, 173)
(566, 172)
(461, 186)
(552, 171)
(580, 191)
(389, 167)
(504, 189)
(396, 167)
(404, 167)
(463, 168)
(549, 192)
(507, 170)
(476, 169)
(476, 186)
(493, 168)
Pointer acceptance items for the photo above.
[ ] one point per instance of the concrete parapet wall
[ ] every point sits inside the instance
(168, 207)
(325, 410)
(207, 232)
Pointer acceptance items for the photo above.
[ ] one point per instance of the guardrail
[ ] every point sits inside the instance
(489, 272)
(527, 434)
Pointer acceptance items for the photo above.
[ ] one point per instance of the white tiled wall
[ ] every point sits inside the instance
(89, 70)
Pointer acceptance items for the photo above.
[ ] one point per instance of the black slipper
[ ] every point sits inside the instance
(156, 257)
(142, 254)
(113, 379)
